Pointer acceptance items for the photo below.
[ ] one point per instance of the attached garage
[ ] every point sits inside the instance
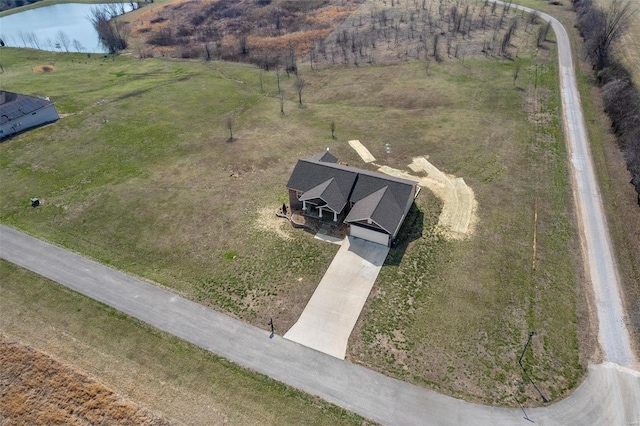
(369, 234)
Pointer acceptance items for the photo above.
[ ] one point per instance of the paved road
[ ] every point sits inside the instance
(596, 244)
(328, 319)
(608, 396)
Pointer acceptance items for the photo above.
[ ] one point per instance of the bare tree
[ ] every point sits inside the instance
(24, 37)
(602, 29)
(63, 39)
(542, 34)
(333, 129)
(78, 46)
(516, 71)
(33, 40)
(112, 33)
(281, 99)
(300, 84)
(436, 37)
(230, 123)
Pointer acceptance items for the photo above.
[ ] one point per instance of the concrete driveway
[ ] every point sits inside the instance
(327, 321)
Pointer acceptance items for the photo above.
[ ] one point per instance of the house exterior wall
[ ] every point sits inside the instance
(294, 203)
(36, 118)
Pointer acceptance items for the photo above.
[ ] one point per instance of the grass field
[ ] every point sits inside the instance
(139, 175)
(183, 383)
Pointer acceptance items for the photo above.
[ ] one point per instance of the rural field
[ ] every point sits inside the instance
(172, 381)
(140, 174)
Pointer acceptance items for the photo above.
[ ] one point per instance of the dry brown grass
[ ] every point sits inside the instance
(303, 40)
(270, 30)
(44, 68)
(37, 389)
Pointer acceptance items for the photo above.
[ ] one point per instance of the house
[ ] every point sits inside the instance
(22, 112)
(374, 205)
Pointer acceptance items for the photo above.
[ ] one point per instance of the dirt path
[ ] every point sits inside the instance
(458, 216)
(362, 151)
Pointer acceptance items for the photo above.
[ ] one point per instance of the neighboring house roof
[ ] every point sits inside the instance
(15, 105)
(377, 199)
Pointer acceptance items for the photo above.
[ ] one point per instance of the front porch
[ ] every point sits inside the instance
(322, 213)
(302, 219)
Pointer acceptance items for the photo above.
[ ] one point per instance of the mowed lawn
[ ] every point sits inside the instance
(139, 175)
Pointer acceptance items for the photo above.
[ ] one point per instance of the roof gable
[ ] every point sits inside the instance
(329, 192)
(308, 174)
(379, 207)
(369, 183)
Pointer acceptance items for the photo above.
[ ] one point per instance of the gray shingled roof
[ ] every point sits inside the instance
(381, 208)
(329, 192)
(377, 197)
(16, 105)
(399, 189)
(325, 157)
(308, 174)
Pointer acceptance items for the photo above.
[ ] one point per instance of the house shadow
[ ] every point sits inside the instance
(410, 230)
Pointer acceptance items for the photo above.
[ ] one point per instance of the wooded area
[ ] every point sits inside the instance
(601, 29)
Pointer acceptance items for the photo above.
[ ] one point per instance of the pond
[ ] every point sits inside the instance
(59, 27)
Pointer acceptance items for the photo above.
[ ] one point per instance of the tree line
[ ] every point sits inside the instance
(601, 28)
(12, 4)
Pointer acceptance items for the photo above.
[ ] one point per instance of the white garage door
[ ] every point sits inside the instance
(369, 235)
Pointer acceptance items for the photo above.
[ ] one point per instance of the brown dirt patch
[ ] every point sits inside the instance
(268, 221)
(43, 68)
(458, 217)
(35, 388)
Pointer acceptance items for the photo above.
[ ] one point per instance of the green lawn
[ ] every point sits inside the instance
(166, 374)
(139, 175)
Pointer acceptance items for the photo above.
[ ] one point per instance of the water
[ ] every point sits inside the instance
(59, 27)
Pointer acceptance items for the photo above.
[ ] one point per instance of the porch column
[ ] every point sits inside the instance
(320, 212)
(335, 216)
(304, 205)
